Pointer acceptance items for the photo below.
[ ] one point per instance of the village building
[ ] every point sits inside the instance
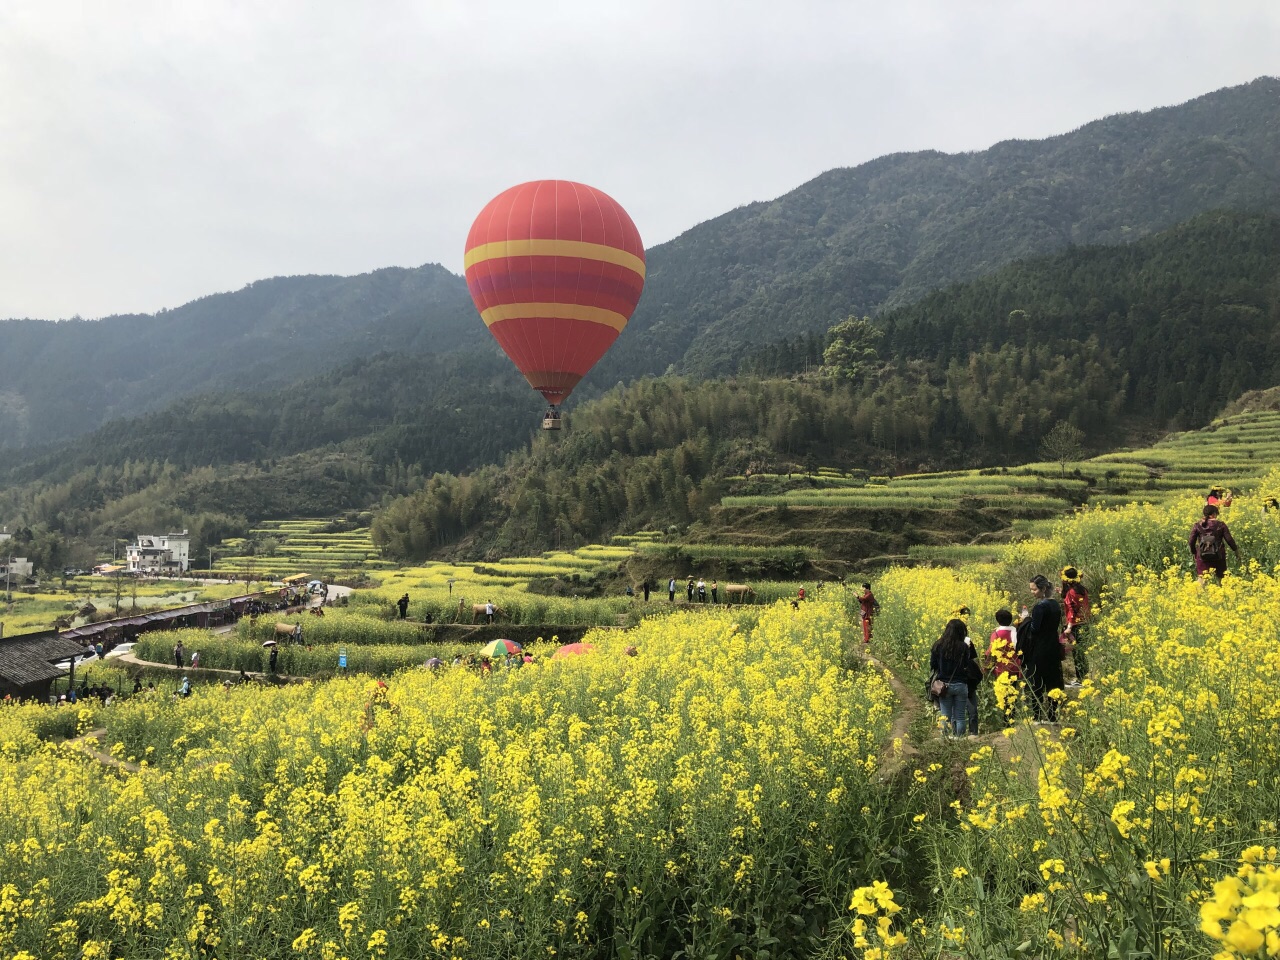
(159, 555)
(16, 569)
(31, 662)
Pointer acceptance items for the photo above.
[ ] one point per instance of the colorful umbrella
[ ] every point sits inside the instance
(572, 650)
(500, 648)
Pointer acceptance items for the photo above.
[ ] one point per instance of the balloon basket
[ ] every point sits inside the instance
(551, 421)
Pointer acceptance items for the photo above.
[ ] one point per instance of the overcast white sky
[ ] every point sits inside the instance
(154, 152)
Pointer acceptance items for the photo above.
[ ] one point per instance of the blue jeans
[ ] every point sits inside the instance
(954, 703)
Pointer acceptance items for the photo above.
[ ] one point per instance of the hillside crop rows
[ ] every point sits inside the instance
(302, 546)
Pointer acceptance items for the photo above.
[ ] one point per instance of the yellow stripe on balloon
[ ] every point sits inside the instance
(553, 311)
(552, 248)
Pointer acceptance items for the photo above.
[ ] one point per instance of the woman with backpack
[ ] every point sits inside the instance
(1075, 609)
(952, 662)
(1208, 544)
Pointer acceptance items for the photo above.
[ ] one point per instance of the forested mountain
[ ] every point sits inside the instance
(447, 412)
(1141, 337)
(1159, 334)
(59, 380)
(882, 234)
(851, 241)
(330, 444)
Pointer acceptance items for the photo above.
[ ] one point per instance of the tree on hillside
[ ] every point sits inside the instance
(1064, 443)
(851, 349)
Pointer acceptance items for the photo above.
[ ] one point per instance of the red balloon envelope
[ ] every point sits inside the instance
(555, 269)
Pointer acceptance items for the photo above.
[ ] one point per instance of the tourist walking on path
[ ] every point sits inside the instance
(1075, 609)
(403, 604)
(870, 607)
(671, 590)
(973, 679)
(646, 586)
(1040, 649)
(715, 591)
(702, 591)
(949, 662)
(273, 659)
(1002, 659)
(1208, 543)
(688, 589)
(179, 653)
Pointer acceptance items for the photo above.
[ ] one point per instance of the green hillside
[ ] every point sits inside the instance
(887, 232)
(963, 515)
(1114, 340)
(1110, 339)
(851, 241)
(60, 380)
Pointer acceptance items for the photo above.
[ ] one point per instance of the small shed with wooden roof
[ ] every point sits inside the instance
(30, 662)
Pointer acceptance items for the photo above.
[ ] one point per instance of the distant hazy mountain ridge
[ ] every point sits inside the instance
(853, 240)
(886, 232)
(59, 380)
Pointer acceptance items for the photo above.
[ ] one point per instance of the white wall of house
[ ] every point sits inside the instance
(152, 554)
(20, 567)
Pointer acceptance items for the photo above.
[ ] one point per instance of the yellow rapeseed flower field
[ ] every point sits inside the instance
(729, 791)
(716, 786)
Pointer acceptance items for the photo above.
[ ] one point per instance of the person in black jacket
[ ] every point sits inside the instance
(950, 661)
(1040, 649)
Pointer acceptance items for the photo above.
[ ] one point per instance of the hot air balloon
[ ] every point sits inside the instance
(555, 269)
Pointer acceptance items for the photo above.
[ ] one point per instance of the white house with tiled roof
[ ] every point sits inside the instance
(155, 555)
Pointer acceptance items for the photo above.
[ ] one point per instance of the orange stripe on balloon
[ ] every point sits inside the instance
(553, 248)
(553, 311)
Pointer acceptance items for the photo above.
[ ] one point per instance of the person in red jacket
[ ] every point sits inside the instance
(1075, 611)
(870, 607)
(1208, 543)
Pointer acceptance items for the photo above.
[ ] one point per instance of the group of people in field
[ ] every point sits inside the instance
(698, 590)
(1033, 647)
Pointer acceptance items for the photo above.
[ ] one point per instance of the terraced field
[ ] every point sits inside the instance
(931, 516)
(1032, 488)
(316, 546)
(1234, 451)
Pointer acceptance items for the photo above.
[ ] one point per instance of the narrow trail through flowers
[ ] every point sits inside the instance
(86, 744)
